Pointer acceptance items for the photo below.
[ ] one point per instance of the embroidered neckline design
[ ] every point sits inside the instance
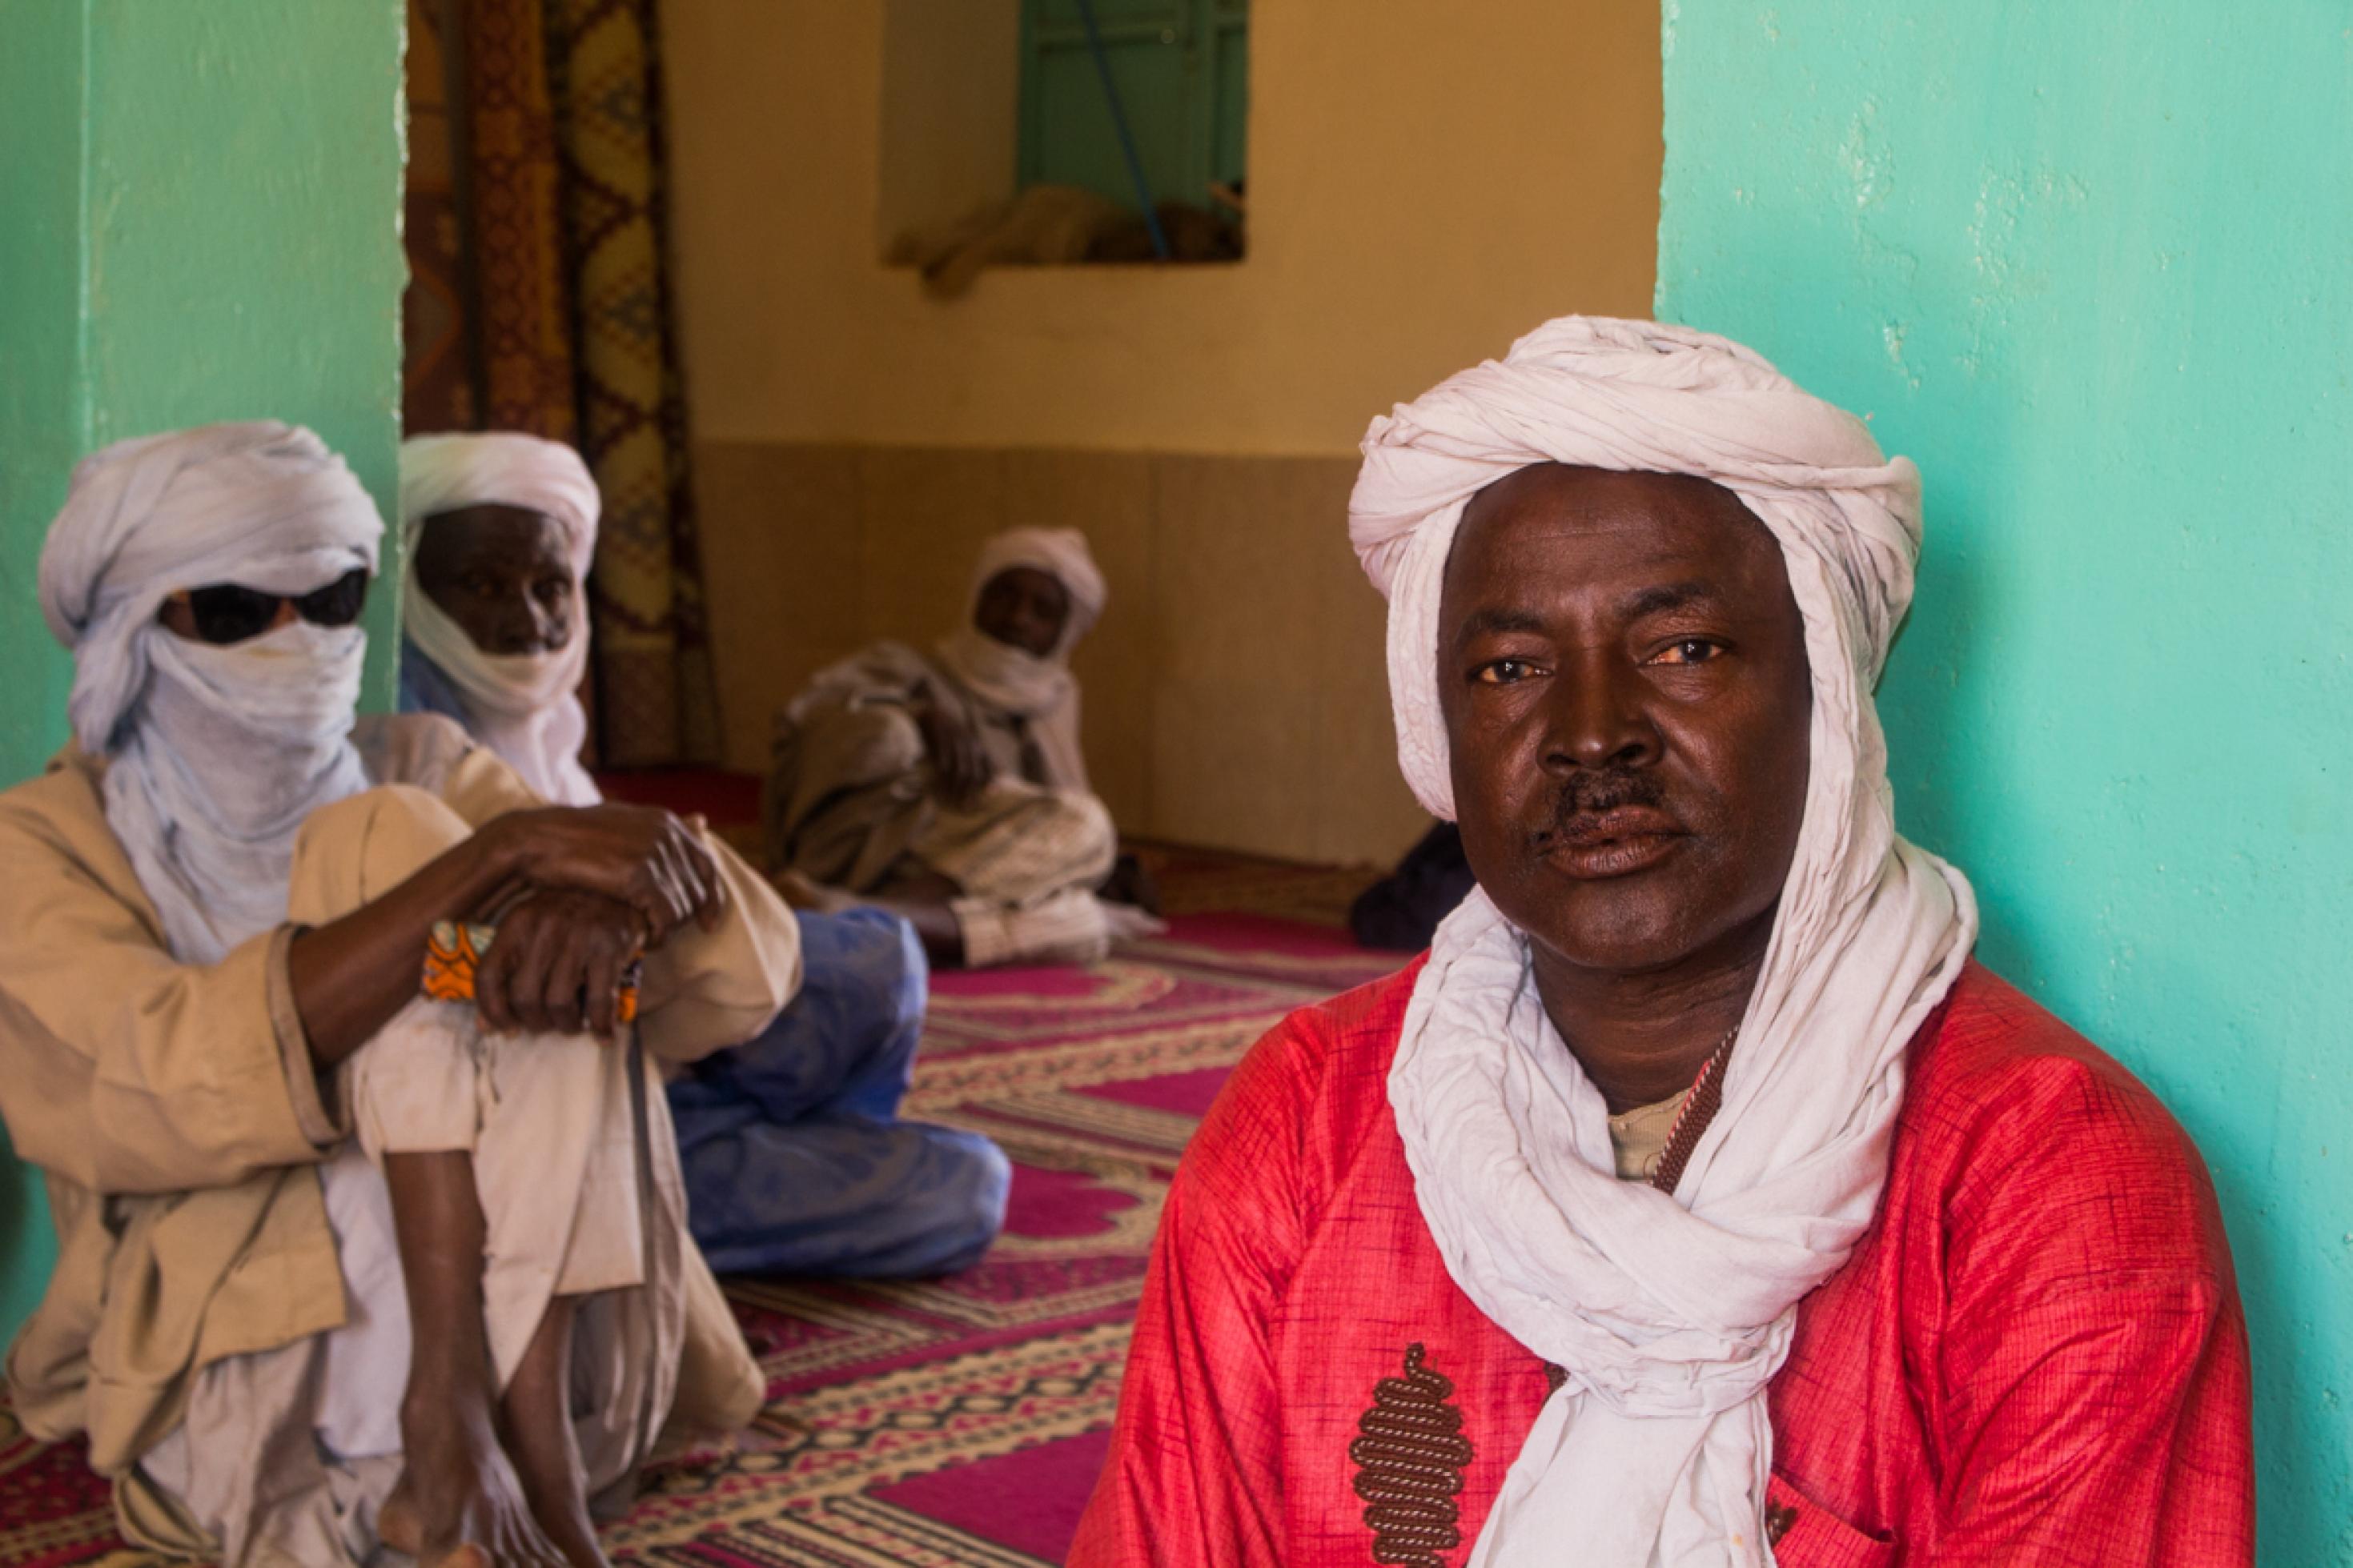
(1410, 1455)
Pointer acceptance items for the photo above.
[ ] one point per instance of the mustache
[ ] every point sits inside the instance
(1589, 794)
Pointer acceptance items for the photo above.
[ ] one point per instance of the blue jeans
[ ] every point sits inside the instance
(795, 1160)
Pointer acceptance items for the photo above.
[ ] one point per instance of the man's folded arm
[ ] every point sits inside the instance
(703, 990)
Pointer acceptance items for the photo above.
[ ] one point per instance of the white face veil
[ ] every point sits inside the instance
(524, 707)
(1669, 1315)
(1015, 681)
(215, 754)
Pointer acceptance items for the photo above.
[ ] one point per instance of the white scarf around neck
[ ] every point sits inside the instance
(523, 707)
(1042, 691)
(1669, 1315)
(236, 746)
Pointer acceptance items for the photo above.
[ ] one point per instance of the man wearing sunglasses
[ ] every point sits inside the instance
(340, 1266)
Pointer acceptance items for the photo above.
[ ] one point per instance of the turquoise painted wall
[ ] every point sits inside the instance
(2091, 266)
(199, 220)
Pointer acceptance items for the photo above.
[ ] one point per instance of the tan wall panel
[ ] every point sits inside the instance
(1109, 496)
(951, 95)
(924, 513)
(783, 569)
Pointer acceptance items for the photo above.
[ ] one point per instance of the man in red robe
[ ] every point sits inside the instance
(1697, 1199)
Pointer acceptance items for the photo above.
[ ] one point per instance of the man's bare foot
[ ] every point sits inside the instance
(396, 1524)
(563, 1513)
(459, 1503)
(548, 1465)
(537, 1425)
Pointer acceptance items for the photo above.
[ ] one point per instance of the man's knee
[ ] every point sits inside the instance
(872, 954)
(361, 847)
(972, 1213)
(432, 1080)
(1074, 820)
(1094, 833)
(1069, 837)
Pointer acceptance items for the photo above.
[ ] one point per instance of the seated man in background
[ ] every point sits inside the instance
(795, 1160)
(1697, 1199)
(950, 787)
(338, 1264)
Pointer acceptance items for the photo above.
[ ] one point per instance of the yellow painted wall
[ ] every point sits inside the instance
(949, 111)
(1427, 182)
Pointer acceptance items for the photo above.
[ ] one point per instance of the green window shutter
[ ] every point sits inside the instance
(1183, 71)
(1228, 103)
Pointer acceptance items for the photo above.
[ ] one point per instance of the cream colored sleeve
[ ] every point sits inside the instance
(705, 991)
(480, 786)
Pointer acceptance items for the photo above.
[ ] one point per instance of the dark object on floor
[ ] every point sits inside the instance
(1401, 910)
(1130, 883)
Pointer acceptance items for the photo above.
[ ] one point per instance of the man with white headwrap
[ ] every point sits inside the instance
(498, 531)
(949, 785)
(795, 1159)
(1697, 1199)
(340, 1266)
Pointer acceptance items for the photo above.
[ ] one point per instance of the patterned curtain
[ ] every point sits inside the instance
(539, 298)
(653, 649)
(440, 369)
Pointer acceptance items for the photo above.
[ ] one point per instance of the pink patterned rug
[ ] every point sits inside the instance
(952, 1423)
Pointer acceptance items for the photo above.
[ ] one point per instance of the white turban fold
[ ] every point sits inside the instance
(217, 754)
(257, 503)
(524, 707)
(1669, 1315)
(1642, 397)
(1040, 690)
(1062, 554)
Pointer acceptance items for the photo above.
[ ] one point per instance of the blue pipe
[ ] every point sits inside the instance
(1119, 123)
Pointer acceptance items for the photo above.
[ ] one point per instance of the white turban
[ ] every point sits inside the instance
(217, 753)
(1669, 1315)
(1638, 396)
(1059, 553)
(1014, 681)
(449, 473)
(524, 707)
(258, 503)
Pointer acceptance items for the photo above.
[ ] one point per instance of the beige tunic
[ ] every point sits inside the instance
(177, 1117)
(1638, 1138)
(850, 802)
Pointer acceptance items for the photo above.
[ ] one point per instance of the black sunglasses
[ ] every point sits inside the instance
(230, 613)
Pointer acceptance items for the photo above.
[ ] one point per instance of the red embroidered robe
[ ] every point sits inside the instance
(2035, 1356)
